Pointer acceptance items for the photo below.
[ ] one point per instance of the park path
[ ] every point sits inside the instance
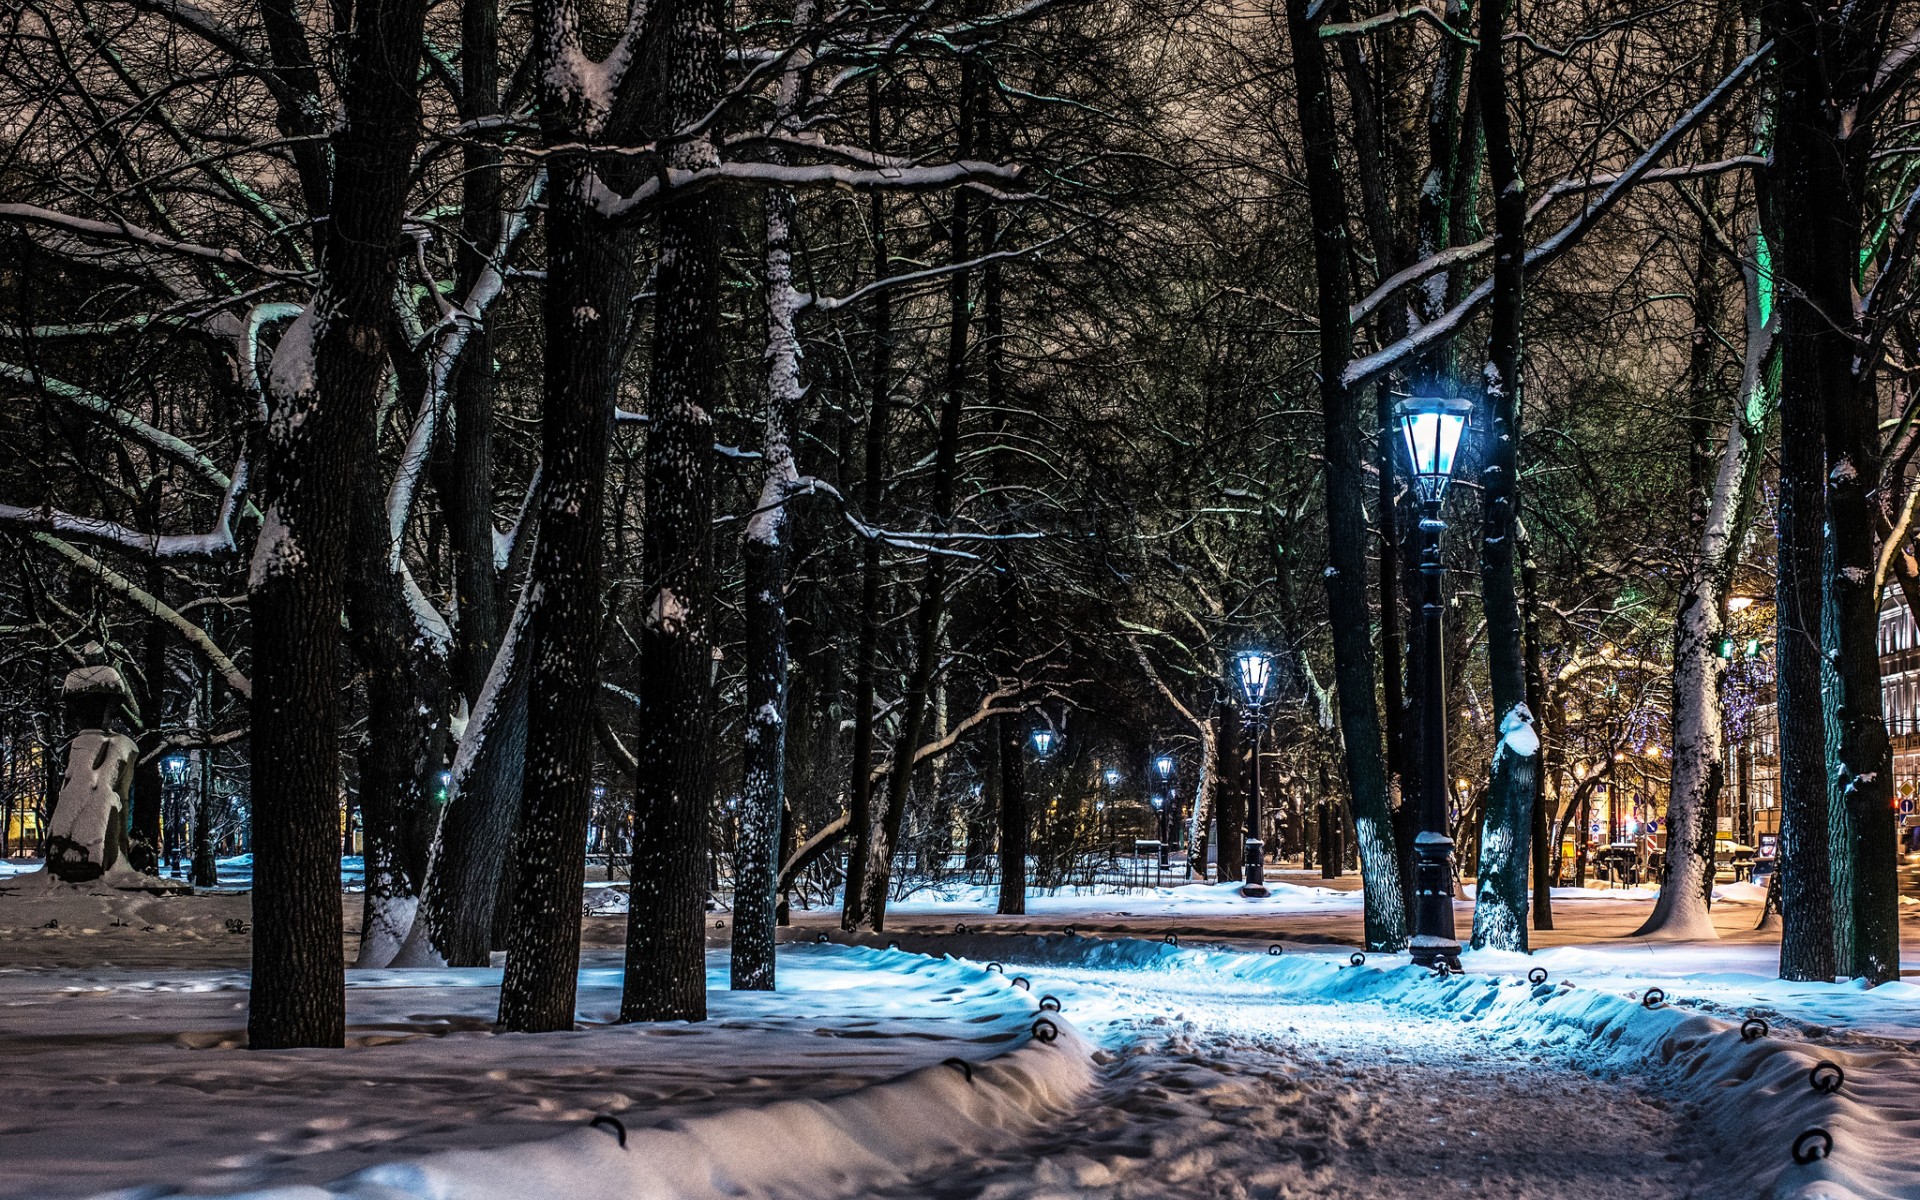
(1216, 1091)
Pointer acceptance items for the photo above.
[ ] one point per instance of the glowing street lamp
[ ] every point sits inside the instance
(1255, 668)
(1166, 822)
(1043, 741)
(1432, 427)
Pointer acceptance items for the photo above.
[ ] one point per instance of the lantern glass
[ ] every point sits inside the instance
(1164, 766)
(1255, 669)
(1043, 742)
(1432, 427)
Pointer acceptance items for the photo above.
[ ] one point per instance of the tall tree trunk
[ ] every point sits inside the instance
(586, 305)
(1500, 904)
(1206, 789)
(144, 830)
(1537, 703)
(1815, 197)
(1346, 576)
(1230, 800)
(1009, 746)
(407, 674)
(1699, 672)
(926, 637)
(327, 372)
(764, 560)
(470, 496)
(872, 488)
(666, 947)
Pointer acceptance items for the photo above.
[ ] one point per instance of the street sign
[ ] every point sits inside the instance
(1906, 804)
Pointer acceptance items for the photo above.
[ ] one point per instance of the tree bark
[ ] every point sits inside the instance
(468, 862)
(764, 559)
(1346, 576)
(1230, 800)
(666, 945)
(1815, 198)
(872, 488)
(1009, 746)
(1699, 671)
(589, 282)
(926, 637)
(470, 496)
(319, 434)
(1500, 904)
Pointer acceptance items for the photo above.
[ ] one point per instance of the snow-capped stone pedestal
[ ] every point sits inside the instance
(87, 835)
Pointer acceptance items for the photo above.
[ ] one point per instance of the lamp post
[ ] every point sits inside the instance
(1163, 767)
(1432, 427)
(1255, 670)
(173, 770)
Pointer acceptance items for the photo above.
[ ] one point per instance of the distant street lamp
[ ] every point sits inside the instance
(1043, 741)
(1167, 822)
(1432, 427)
(1255, 670)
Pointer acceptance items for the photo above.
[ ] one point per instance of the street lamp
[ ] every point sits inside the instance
(1168, 824)
(1255, 670)
(1043, 741)
(1432, 427)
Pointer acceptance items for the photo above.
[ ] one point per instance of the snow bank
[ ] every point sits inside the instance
(1195, 899)
(1754, 1098)
(879, 1134)
(876, 1136)
(832, 1143)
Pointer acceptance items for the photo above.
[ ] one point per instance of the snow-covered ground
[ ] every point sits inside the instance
(134, 1079)
(1210, 1067)
(1302, 1075)
(236, 873)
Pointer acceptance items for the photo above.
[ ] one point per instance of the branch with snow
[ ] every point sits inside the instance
(1364, 370)
(192, 634)
(680, 181)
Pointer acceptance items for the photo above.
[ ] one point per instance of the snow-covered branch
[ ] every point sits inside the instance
(1454, 255)
(118, 418)
(679, 181)
(192, 634)
(1364, 370)
(217, 542)
(448, 342)
(131, 234)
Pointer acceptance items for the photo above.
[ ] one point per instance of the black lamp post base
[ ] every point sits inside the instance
(1433, 940)
(1427, 951)
(1255, 887)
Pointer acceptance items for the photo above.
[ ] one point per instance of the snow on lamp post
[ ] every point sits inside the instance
(1255, 669)
(1432, 427)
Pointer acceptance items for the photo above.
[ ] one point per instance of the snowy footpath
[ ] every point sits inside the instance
(1233, 1073)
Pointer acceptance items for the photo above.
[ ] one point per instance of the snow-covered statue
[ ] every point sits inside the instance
(87, 836)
